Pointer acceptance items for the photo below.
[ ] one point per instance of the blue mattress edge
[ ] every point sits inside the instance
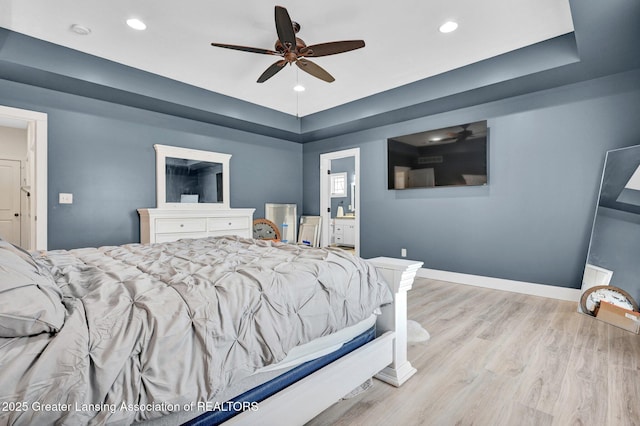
(262, 392)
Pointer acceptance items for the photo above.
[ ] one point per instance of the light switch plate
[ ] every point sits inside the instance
(65, 198)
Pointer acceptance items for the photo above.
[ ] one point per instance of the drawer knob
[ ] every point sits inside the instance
(182, 225)
(229, 223)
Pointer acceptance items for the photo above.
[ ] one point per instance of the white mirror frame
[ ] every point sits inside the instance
(164, 151)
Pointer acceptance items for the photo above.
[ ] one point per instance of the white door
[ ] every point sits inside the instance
(10, 201)
(35, 172)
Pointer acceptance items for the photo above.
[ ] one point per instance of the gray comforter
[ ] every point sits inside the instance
(151, 329)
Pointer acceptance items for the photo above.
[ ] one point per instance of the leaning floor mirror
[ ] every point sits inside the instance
(285, 216)
(612, 272)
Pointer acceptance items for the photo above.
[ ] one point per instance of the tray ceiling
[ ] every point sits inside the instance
(403, 44)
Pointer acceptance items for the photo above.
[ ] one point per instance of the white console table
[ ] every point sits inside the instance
(164, 225)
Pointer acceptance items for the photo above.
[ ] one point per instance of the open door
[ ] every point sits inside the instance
(32, 187)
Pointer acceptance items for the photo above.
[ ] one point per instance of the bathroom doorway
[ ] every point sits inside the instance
(340, 199)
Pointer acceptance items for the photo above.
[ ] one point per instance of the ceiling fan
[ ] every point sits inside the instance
(459, 136)
(294, 50)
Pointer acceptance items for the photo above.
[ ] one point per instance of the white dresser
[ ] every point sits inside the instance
(344, 231)
(163, 225)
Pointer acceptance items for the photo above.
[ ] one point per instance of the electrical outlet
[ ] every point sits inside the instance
(403, 252)
(65, 198)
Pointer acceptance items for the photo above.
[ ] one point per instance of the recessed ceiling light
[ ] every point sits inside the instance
(299, 88)
(136, 24)
(448, 27)
(80, 29)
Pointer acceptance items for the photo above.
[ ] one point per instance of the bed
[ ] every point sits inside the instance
(163, 332)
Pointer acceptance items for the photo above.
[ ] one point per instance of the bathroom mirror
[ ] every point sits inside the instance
(614, 249)
(343, 203)
(191, 179)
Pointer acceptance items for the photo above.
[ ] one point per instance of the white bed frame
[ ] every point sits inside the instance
(384, 358)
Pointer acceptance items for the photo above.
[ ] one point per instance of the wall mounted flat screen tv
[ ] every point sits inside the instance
(451, 156)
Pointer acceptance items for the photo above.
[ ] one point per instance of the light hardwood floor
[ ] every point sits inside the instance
(500, 358)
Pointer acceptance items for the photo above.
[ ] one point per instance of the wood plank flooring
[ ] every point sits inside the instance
(500, 358)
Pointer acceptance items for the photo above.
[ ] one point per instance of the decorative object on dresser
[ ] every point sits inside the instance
(192, 190)
(264, 229)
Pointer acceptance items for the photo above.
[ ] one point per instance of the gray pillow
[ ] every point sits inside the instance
(30, 300)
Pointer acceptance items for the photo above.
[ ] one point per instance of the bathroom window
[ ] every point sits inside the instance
(339, 184)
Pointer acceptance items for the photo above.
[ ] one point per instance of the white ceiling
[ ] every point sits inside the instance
(403, 43)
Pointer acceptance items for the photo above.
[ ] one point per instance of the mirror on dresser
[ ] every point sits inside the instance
(189, 178)
(614, 249)
(193, 198)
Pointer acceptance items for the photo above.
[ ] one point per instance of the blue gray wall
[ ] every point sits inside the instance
(103, 154)
(533, 221)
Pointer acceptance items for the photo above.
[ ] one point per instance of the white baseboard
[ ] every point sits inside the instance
(543, 290)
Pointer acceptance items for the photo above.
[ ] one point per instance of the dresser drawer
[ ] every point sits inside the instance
(181, 225)
(226, 223)
(163, 225)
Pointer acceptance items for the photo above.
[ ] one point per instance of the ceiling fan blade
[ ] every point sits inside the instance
(271, 71)
(246, 49)
(284, 27)
(331, 48)
(315, 70)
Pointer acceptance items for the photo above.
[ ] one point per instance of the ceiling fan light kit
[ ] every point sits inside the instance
(294, 50)
(448, 27)
(136, 24)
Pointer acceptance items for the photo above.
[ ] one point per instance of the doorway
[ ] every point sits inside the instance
(23, 151)
(340, 199)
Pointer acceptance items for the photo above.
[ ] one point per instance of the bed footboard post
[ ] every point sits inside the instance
(399, 274)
